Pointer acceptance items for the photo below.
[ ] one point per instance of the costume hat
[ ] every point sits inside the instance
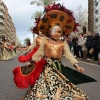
(57, 14)
(35, 28)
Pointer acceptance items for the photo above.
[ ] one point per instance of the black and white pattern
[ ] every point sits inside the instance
(52, 85)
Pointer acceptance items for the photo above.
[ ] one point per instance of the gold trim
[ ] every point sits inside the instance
(27, 74)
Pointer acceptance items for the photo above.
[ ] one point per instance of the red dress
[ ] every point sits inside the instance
(27, 57)
(24, 81)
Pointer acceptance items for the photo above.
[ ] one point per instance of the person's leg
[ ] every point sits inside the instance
(77, 52)
(99, 57)
(95, 54)
(81, 51)
(85, 54)
(88, 54)
(74, 50)
(70, 47)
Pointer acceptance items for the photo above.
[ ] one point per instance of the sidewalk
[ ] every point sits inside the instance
(87, 61)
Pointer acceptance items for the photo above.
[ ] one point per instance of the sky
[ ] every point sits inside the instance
(21, 12)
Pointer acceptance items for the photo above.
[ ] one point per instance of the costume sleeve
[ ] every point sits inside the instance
(32, 45)
(68, 54)
(40, 52)
(5, 45)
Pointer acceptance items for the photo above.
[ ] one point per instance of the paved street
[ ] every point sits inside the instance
(91, 89)
(8, 90)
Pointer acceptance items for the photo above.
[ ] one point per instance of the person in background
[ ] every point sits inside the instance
(25, 73)
(89, 44)
(70, 43)
(84, 30)
(28, 43)
(6, 49)
(74, 39)
(84, 48)
(1, 50)
(94, 46)
(80, 39)
(98, 48)
(31, 48)
(77, 49)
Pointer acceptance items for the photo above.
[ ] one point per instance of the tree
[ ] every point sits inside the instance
(37, 14)
(26, 40)
(30, 29)
(91, 16)
(43, 3)
(81, 17)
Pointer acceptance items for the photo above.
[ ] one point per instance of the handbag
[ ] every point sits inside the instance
(91, 51)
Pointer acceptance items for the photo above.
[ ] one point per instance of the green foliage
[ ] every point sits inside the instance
(37, 14)
(27, 39)
(43, 2)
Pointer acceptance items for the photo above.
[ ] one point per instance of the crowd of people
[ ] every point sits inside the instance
(85, 46)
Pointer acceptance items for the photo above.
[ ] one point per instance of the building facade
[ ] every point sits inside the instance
(18, 43)
(97, 16)
(7, 27)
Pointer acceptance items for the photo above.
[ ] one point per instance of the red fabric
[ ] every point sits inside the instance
(10, 47)
(25, 58)
(24, 81)
(99, 62)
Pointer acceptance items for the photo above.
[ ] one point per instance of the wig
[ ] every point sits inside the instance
(54, 29)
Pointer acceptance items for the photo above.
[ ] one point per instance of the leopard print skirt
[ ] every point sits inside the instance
(52, 85)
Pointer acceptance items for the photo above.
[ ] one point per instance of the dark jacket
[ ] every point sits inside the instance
(98, 44)
(89, 41)
(74, 41)
(95, 41)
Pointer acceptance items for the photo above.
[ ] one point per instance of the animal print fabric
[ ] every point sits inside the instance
(52, 85)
